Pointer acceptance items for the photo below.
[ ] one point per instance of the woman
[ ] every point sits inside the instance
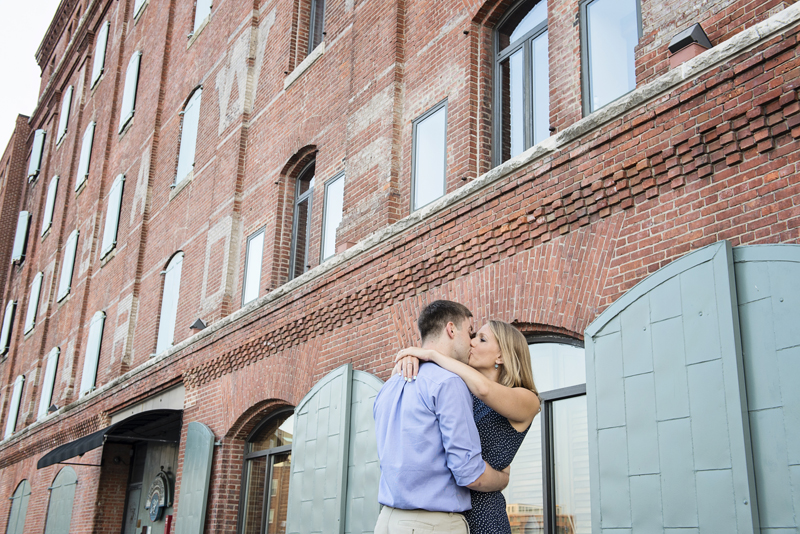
(505, 401)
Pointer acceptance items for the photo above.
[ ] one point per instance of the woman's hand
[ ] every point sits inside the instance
(408, 361)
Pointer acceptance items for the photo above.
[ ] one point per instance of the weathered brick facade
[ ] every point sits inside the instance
(547, 240)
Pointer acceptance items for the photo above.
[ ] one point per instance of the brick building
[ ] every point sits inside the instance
(221, 220)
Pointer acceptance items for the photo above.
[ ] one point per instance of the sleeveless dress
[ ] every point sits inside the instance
(499, 442)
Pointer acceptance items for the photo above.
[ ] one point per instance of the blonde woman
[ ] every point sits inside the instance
(505, 402)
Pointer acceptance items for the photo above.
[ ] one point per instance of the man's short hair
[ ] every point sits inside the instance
(435, 316)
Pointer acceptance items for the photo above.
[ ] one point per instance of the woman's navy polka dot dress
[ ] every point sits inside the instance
(500, 442)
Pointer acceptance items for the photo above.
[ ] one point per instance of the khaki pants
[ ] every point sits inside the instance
(396, 521)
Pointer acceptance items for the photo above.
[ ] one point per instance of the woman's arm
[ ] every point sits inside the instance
(518, 405)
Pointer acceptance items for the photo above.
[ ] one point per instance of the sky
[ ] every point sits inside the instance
(22, 27)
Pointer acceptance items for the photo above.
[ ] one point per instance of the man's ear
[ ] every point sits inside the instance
(450, 329)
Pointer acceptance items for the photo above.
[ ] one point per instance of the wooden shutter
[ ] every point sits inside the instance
(49, 205)
(669, 446)
(99, 61)
(202, 10)
(48, 381)
(62, 497)
(36, 154)
(13, 406)
(169, 303)
(33, 302)
(19, 508)
(129, 93)
(112, 215)
(92, 353)
(137, 7)
(67, 265)
(195, 478)
(21, 237)
(86, 156)
(63, 119)
(191, 121)
(8, 323)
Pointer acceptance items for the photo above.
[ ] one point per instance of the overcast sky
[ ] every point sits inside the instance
(22, 27)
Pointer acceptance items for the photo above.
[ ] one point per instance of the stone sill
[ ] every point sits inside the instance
(304, 66)
(177, 188)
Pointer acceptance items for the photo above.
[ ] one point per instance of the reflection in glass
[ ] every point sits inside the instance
(429, 158)
(302, 227)
(513, 112)
(612, 34)
(524, 499)
(334, 203)
(541, 89)
(254, 495)
(277, 433)
(571, 466)
(557, 365)
(279, 493)
(252, 275)
(524, 19)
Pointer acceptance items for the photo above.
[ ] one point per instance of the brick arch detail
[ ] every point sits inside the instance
(253, 416)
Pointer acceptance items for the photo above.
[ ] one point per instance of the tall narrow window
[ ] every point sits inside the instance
(429, 158)
(33, 302)
(19, 508)
(63, 118)
(304, 190)
(67, 265)
(548, 489)
(252, 267)
(49, 205)
(137, 7)
(522, 70)
(62, 499)
(13, 407)
(8, 324)
(86, 156)
(191, 120)
(169, 303)
(112, 216)
(36, 154)
(21, 236)
(332, 216)
(48, 382)
(609, 32)
(93, 345)
(316, 27)
(99, 62)
(202, 10)
(129, 93)
(267, 464)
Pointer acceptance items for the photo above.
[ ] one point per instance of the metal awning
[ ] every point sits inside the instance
(155, 425)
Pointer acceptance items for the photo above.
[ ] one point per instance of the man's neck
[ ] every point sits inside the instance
(439, 346)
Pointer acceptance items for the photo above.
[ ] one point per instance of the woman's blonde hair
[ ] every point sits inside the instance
(516, 370)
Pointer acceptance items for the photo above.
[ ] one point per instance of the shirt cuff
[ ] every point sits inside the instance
(470, 472)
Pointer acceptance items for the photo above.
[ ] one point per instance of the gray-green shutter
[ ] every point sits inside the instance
(319, 457)
(19, 508)
(62, 496)
(195, 478)
(769, 313)
(669, 445)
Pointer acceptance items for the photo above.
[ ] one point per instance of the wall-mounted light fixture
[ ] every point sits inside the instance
(688, 44)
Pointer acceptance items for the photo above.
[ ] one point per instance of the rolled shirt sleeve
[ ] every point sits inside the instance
(462, 444)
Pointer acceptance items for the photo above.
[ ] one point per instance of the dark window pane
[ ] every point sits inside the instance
(521, 22)
(317, 23)
(557, 365)
(612, 35)
(276, 433)
(279, 493)
(571, 466)
(301, 238)
(254, 495)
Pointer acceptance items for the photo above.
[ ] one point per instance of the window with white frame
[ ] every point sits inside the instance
(252, 267)
(21, 236)
(86, 156)
(610, 31)
(33, 302)
(63, 118)
(201, 12)
(169, 303)
(92, 353)
(429, 156)
(48, 382)
(112, 216)
(98, 64)
(67, 266)
(49, 205)
(129, 93)
(189, 125)
(35, 164)
(13, 406)
(8, 324)
(332, 216)
(301, 222)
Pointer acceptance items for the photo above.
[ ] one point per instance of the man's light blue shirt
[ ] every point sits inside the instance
(428, 444)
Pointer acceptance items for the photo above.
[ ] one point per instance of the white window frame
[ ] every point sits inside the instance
(188, 143)
(50, 205)
(13, 406)
(63, 118)
(202, 11)
(112, 216)
(415, 172)
(21, 237)
(8, 326)
(99, 61)
(48, 382)
(169, 303)
(33, 302)
(128, 107)
(86, 156)
(37, 150)
(92, 358)
(331, 216)
(254, 257)
(67, 266)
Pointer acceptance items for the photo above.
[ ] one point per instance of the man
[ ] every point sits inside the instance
(428, 445)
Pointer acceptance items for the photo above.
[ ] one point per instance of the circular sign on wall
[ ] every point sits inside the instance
(159, 496)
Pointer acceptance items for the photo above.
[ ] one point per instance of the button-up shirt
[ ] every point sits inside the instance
(428, 444)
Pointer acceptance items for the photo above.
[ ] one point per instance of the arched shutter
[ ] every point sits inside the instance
(129, 93)
(99, 61)
(67, 265)
(195, 478)
(62, 497)
(63, 118)
(191, 121)
(169, 303)
(669, 445)
(13, 407)
(36, 154)
(8, 323)
(48, 381)
(33, 302)
(21, 237)
(49, 205)
(19, 508)
(86, 156)
(92, 353)
(112, 216)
